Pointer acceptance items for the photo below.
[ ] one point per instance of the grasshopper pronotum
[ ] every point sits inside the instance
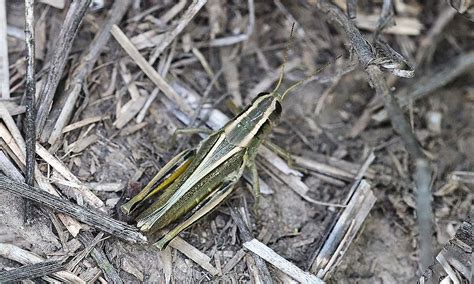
(197, 180)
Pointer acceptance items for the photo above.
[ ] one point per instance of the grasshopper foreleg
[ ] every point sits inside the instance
(255, 181)
(282, 153)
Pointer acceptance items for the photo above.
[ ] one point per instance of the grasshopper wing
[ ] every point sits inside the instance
(212, 201)
(166, 176)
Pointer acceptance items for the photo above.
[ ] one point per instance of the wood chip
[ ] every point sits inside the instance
(323, 168)
(82, 143)
(173, 11)
(82, 123)
(217, 259)
(194, 254)
(279, 262)
(133, 267)
(9, 169)
(88, 196)
(231, 74)
(54, 3)
(146, 106)
(233, 261)
(106, 186)
(403, 26)
(24, 257)
(253, 269)
(167, 264)
(147, 39)
(132, 128)
(154, 76)
(128, 111)
(345, 230)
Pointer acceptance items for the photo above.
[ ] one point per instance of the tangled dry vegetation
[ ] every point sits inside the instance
(380, 137)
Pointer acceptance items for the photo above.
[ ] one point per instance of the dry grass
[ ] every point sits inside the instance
(114, 83)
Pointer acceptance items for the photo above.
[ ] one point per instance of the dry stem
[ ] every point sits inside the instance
(86, 215)
(366, 57)
(30, 130)
(65, 39)
(87, 62)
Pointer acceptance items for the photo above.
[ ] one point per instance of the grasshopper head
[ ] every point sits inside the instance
(269, 104)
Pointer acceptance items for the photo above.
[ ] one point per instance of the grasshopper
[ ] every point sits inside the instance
(197, 180)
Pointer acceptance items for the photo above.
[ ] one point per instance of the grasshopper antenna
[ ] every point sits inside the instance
(309, 78)
(285, 59)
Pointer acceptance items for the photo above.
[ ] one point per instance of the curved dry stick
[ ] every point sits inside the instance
(422, 176)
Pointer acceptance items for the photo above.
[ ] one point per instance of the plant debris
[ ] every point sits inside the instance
(94, 93)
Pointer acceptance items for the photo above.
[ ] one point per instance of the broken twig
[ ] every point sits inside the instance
(246, 236)
(63, 44)
(31, 271)
(87, 62)
(83, 214)
(30, 130)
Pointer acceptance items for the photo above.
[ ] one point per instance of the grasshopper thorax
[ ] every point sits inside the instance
(255, 121)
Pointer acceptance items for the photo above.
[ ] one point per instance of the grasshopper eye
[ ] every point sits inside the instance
(275, 115)
(278, 108)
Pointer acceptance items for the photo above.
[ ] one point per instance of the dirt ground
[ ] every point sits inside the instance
(321, 120)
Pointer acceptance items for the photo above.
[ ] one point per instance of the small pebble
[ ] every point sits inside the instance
(433, 120)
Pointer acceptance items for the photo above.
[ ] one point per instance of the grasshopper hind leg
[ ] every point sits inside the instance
(161, 181)
(218, 195)
(215, 199)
